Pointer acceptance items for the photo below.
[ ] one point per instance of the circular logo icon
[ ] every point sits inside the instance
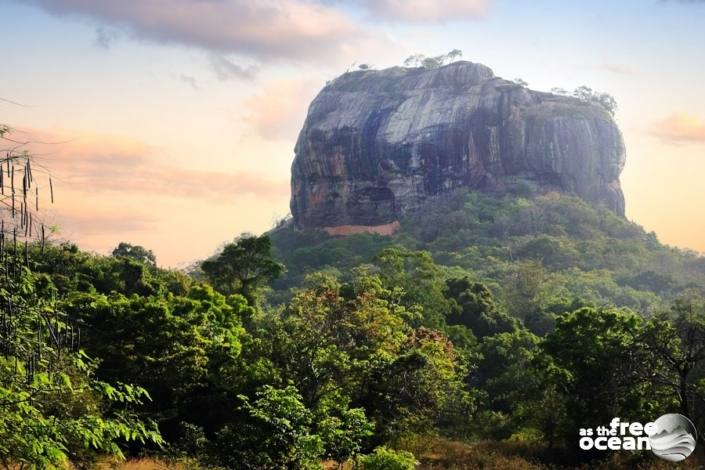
(674, 439)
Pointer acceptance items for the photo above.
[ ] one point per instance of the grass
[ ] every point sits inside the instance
(148, 464)
(437, 453)
(434, 453)
(441, 454)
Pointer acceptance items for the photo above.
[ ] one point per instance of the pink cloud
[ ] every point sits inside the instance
(89, 222)
(680, 128)
(295, 29)
(96, 164)
(278, 112)
(426, 11)
(110, 189)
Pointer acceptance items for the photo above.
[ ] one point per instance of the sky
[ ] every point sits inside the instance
(171, 123)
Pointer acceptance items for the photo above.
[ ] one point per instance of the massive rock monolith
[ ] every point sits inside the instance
(377, 144)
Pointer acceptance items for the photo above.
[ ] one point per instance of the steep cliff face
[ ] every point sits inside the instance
(377, 144)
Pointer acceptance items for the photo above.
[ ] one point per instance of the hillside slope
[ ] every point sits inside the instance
(536, 253)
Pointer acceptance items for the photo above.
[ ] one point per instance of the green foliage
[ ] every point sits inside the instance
(504, 372)
(420, 60)
(52, 407)
(595, 360)
(588, 95)
(136, 252)
(506, 318)
(175, 347)
(675, 344)
(537, 295)
(243, 267)
(419, 279)
(353, 339)
(71, 270)
(384, 458)
(343, 436)
(278, 433)
(537, 255)
(472, 306)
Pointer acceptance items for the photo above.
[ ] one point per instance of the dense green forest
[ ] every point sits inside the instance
(483, 335)
(538, 255)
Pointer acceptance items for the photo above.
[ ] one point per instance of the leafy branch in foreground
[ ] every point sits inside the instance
(52, 408)
(19, 192)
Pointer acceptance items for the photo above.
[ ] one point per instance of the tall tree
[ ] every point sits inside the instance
(243, 267)
(597, 351)
(472, 305)
(676, 342)
(136, 252)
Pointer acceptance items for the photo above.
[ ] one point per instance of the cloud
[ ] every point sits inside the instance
(425, 11)
(278, 112)
(264, 29)
(612, 68)
(98, 222)
(111, 188)
(680, 128)
(190, 81)
(104, 38)
(227, 70)
(91, 164)
(318, 31)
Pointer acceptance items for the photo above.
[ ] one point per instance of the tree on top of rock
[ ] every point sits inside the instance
(420, 60)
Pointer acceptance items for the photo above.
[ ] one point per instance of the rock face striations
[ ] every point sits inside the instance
(377, 144)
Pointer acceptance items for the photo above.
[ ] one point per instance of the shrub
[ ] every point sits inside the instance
(388, 459)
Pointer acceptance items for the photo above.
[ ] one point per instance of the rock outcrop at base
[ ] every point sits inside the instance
(377, 144)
